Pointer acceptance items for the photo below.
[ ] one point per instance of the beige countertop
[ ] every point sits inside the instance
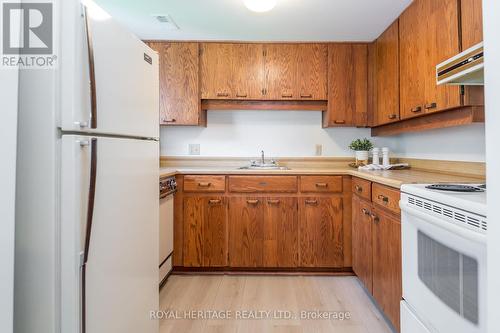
(394, 178)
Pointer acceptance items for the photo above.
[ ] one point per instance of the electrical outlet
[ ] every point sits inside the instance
(194, 149)
(319, 150)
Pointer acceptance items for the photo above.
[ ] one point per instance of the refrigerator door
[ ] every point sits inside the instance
(118, 246)
(109, 79)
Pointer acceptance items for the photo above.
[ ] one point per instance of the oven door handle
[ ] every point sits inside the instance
(467, 234)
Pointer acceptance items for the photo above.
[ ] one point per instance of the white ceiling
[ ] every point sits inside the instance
(290, 20)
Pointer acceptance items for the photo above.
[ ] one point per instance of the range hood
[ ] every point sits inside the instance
(466, 68)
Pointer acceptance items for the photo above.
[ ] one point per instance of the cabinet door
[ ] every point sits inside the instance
(387, 266)
(362, 260)
(248, 71)
(347, 85)
(280, 232)
(194, 215)
(216, 71)
(281, 63)
(246, 232)
(412, 34)
(321, 232)
(312, 71)
(472, 22)
(442, 42)
(179, 83)
(215, 232)
(387, 76)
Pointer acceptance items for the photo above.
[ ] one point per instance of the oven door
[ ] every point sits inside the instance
(444, 273)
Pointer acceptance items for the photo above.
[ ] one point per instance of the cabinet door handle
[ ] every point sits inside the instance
(287, 95)
(241, 95)
(166, 120)
(214, 201)
(416, 109)
(365, 211)
(311, 202)
(393, 116)
(306, 95)
(204, 184)
(252, 202)
(220, 94)
(323, 185)
(383, 198)
(432, 105)
(339, 121)
(375, 218)
(273, 202)
(358, 188)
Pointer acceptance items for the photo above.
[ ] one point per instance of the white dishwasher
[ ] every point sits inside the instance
(168, 187)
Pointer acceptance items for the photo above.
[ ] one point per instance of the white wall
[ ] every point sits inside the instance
(295, 133)
(491, 13)
(8, 139)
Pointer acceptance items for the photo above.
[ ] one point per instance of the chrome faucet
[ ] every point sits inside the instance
(263, 159)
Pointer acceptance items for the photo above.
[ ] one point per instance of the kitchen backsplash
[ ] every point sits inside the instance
(296, 133)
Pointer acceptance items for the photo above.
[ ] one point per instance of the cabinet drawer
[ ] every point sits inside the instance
(362, 187)
(204, 183)
(386, 197)
(321, 184)
(252, 184)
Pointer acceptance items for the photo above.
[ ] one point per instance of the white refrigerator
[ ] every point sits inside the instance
(86, 256)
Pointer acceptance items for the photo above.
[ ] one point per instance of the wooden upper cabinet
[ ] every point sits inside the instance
(312, 71)
(443, 42)
(347, 85)
(387, 76)
(179, 83)
(472, 23)
(216, 71)
(280, 68)
(248, 71)
(412, 39)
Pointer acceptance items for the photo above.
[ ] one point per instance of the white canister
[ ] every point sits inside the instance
(375, 156)
(385, 157)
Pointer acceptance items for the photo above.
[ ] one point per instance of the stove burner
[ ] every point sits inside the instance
(455, 188)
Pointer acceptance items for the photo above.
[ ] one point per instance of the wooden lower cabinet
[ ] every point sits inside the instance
(362, 260)
(387, 270)
(321, 232)
(205, 232)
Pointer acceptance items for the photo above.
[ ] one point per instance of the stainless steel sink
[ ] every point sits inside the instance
(263, 165)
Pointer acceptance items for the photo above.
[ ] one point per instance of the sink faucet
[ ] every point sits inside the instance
(263, 160)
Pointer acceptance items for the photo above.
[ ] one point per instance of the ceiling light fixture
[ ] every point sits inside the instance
(260, 6)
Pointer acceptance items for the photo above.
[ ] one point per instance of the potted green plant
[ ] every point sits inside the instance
(361, 147)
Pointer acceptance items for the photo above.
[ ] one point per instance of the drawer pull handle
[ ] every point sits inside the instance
(383, 198)
(417, 109)
(323, 185)
(204, 184)
(375, 218)
(287, 95)
(165, 120)
(220, 94)
(358, 188)
(311, 202)
(431, 106)
(252, 202)
(306, 95)
(365, 211)
(393, 116)
(214, 201)
(339, 122)
(241, 95)
(273, 202)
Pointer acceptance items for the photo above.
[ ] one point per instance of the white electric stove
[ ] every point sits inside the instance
(444, 258)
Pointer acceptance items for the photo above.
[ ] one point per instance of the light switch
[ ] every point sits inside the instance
(194, 149)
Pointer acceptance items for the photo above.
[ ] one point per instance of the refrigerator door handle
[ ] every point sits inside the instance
(93, 88)
(88, 228)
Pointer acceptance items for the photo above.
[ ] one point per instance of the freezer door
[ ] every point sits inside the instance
(109, 79)
(121, 271)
